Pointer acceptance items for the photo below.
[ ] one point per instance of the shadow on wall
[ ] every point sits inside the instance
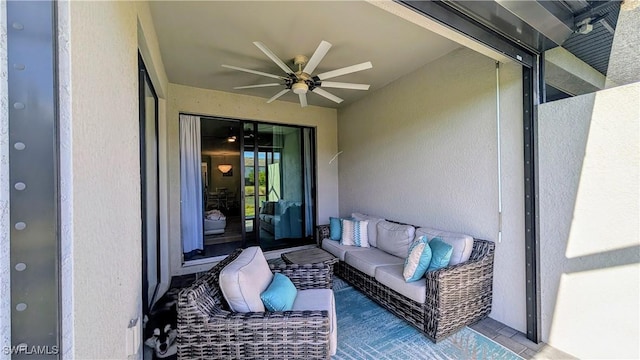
(589, 214)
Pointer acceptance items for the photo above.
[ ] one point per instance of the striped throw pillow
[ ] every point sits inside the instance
(354, 233)
(418, 260)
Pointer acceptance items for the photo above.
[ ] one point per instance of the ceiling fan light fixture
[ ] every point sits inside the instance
(300, 88)
(231, 139)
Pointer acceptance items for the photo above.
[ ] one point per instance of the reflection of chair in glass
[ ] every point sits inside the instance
(218, 199)
(232, 201)
(222, 198)
(212, 201)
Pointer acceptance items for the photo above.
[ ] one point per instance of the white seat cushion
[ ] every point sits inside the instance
(462, 244)
(391, 277)
(320, 299)
(367, 261)
(244, 279)
(338, 250)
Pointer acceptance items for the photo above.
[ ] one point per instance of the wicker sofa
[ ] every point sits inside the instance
(207, 329)
(454, 296)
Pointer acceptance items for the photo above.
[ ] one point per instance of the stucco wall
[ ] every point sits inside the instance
(624, 67)
(217, 103)
(590, 223)
(99, 171)
(422, 150)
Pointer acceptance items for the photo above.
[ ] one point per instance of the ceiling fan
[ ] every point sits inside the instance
(301, 81)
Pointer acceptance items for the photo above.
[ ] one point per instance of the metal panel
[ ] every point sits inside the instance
(449, 14)
(532, 244)
(33, 175)
(555, 22)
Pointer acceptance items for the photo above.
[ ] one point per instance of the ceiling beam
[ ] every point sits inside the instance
(554, 21)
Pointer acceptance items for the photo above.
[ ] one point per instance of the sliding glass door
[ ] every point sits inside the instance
(149, 187)
(257, 185)
(280, 185)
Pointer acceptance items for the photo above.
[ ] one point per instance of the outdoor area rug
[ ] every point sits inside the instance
(368, 331)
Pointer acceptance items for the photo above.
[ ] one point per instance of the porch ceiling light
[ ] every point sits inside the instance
(225, 168)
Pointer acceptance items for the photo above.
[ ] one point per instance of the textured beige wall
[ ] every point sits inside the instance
(217, 103)
(590, 223)
(624, 61)
(422, 150)
(100, 148)
(150, 49)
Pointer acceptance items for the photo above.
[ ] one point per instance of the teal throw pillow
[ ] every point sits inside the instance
(418, 260)
(335, 228)
(280, 294)
(440, 254)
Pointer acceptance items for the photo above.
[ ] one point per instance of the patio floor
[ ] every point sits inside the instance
(495, 330)
(517, 341)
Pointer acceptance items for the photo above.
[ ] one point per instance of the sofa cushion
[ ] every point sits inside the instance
(244, 279)
(372, 228)
(391, 277)
(440, 254)
(418, 260)
(395, 238)
(338, 250)
(355, 233)
(320, 299)
(280, 294)
(268, 208)
(462, 244)
(367, 261)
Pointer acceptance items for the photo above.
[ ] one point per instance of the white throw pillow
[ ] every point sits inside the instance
(244, 279)
(372, 231)
(354, 233)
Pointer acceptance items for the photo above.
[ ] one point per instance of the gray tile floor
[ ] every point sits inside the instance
(517, 341)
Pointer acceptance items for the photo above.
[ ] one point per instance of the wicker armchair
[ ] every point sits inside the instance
(207, 329)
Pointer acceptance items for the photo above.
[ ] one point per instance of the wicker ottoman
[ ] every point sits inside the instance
(310, 256)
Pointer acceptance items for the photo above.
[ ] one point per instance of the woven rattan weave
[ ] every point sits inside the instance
(208, 330)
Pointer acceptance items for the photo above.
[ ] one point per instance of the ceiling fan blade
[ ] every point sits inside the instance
(277, 95)
(273, 57)
(257, 86)
(327, 94)
(342, 85)
(317, 56)
(255, 72)
(303, 99)
(345, 70)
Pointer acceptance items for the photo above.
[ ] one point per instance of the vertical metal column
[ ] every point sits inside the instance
(532, 243)
(33, 153)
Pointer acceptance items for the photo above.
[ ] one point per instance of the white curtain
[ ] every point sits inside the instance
(273, 193)
(191, 216)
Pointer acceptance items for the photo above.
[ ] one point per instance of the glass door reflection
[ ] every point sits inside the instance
(249, 181)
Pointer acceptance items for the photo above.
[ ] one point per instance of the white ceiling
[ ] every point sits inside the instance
(196, 38)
